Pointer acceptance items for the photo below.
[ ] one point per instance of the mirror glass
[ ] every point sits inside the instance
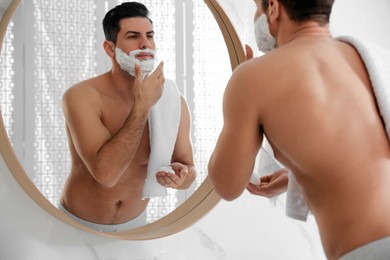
(52, 44)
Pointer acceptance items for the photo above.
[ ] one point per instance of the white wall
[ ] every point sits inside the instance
(368, 20)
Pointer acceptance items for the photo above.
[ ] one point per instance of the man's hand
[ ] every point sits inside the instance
(171, 180)
(271, 185)
(248, 52)
(149, 90)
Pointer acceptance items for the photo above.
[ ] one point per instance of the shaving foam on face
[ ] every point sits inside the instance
(128, 62)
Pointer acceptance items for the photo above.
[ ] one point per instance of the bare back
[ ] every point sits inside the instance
(322, 122)
(83, 195)
(312, 99)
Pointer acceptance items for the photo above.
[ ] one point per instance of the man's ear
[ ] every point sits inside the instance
(273, 10)
(109, 48)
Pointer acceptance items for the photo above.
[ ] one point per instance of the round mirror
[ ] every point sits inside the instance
(50, 45)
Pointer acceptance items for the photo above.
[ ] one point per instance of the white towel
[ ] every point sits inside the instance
(265, 164)
(377, 62)
(164, 120)
(296, 206)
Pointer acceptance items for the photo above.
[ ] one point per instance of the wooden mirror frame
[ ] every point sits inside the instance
(194, 208)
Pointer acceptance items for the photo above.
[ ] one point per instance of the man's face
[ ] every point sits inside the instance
(136, 33)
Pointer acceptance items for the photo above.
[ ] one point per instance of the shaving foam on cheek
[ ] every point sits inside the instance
(128, 62)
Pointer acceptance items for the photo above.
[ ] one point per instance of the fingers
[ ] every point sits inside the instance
(149, 88)
(270, 186)
(159, 72)
(266, 179)
(157, 76)
(172, 180)
(177, 167)
(160, 67)
(160, 176)
(254, 189)
(169, 180)
(248, 52)
(260, 190)
(183, 173)
(180, 169)
(138, 72)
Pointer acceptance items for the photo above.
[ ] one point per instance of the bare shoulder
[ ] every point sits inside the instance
(258, 75)
(82, 94)
(267, 66)
(86, 87)
(285, 64)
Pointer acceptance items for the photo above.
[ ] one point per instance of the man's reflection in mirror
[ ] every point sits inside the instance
(128, 130)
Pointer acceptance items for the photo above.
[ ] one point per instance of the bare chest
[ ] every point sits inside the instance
(113, 117)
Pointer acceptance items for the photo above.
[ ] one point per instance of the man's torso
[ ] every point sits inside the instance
(322, 122)
(84, 197)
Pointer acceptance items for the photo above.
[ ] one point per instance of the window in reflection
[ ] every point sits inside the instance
(52, 44)
(7, 84)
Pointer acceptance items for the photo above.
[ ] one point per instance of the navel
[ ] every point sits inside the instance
(117, 206)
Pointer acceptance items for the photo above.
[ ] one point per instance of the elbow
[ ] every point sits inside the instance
(227, 194)
(107, 184)
(101, 170)
(224, 188)
(104, 179)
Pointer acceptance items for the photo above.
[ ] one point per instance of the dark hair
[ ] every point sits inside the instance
(306, 10)
(112, 18)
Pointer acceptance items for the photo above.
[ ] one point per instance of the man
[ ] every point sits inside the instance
(312, 98)
(108, 132)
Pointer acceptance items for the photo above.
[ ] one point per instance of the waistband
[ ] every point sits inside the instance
(138, 221)
(375, 250)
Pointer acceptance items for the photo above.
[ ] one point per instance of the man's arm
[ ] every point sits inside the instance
(182, 158)
(232, 161)
(106, 156)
